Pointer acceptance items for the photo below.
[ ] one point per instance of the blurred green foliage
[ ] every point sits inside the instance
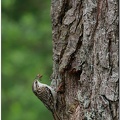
(26, 51)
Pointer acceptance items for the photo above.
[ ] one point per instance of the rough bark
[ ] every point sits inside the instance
(85, 58)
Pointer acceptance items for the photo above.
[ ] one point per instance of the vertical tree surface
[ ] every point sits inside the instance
(85, 58)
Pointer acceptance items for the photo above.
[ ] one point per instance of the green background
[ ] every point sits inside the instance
(26, 51)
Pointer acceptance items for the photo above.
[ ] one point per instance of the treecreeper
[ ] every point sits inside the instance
(46, 94)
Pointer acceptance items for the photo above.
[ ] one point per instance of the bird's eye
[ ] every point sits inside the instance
(35, 82)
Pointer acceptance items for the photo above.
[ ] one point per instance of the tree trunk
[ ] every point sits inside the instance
(85, 58)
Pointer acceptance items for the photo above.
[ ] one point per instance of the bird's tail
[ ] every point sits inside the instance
(56, 116)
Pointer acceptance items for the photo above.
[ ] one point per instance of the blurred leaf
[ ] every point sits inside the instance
(8, 3)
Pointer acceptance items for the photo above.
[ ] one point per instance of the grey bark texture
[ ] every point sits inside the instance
(85, 58)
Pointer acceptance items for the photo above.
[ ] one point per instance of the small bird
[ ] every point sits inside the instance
(46, 94)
